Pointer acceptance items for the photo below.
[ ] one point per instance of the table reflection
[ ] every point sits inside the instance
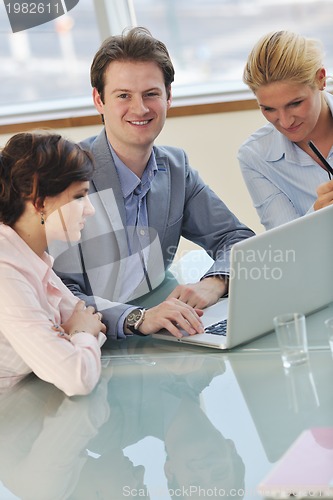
(284, 402)
(43, 438)
(162, 423)
(55, 447)
(161, 399)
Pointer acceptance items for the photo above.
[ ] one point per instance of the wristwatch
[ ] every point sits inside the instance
(135, 319)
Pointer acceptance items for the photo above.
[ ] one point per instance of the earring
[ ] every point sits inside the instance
(42, 220)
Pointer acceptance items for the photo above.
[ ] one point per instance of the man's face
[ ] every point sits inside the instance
(135, 104)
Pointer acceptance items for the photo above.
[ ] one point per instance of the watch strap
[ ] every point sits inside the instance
(136, 331)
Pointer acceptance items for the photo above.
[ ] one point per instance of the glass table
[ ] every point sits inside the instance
(165, 421)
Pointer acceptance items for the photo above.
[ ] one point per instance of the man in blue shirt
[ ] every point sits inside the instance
(146, 197)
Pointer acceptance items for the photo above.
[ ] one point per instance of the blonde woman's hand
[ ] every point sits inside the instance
(324, 195)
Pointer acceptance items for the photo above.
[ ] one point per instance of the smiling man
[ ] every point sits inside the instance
(146, 198)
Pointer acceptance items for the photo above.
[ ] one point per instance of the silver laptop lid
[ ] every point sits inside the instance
(288, 268)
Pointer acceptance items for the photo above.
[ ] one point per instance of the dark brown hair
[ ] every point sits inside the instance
(137, 44)
(36, 165)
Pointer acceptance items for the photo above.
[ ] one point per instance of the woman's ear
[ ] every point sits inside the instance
(321, 78)
(39, 204)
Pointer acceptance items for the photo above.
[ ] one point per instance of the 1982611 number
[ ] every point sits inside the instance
(32, 8)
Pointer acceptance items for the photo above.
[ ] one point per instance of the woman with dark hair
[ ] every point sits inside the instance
(44, 182)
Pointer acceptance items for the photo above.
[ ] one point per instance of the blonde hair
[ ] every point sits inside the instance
(283, 55)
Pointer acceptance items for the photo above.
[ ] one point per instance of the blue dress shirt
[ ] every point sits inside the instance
(134, 192)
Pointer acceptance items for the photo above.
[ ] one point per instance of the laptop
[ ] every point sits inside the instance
(286, 269)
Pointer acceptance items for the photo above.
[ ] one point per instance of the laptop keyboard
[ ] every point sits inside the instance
(219, 328)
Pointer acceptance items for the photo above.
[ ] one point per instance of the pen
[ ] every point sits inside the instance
(321, 158)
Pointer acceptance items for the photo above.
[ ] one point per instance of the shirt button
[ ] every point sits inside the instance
(142, 232)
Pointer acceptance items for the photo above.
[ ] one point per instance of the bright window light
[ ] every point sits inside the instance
(45, 70)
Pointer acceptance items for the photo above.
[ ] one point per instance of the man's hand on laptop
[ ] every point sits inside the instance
(170, 313)
(202, 294)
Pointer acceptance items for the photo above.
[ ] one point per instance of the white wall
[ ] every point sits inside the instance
(211, 142)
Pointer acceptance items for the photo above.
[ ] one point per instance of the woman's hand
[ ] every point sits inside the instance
(83, 319)
(325, 195)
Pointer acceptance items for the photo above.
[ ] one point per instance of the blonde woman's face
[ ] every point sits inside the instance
(292, 108)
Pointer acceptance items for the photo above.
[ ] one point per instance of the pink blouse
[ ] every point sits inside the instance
(32, 300)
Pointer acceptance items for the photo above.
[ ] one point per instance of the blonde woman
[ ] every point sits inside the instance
(285, 178)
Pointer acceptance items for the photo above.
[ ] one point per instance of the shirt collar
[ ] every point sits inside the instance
(129, 181)
(281, 147)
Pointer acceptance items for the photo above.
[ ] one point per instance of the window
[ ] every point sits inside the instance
(46, 68)
(209, 40)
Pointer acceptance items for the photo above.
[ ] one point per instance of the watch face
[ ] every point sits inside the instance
(134, 316)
